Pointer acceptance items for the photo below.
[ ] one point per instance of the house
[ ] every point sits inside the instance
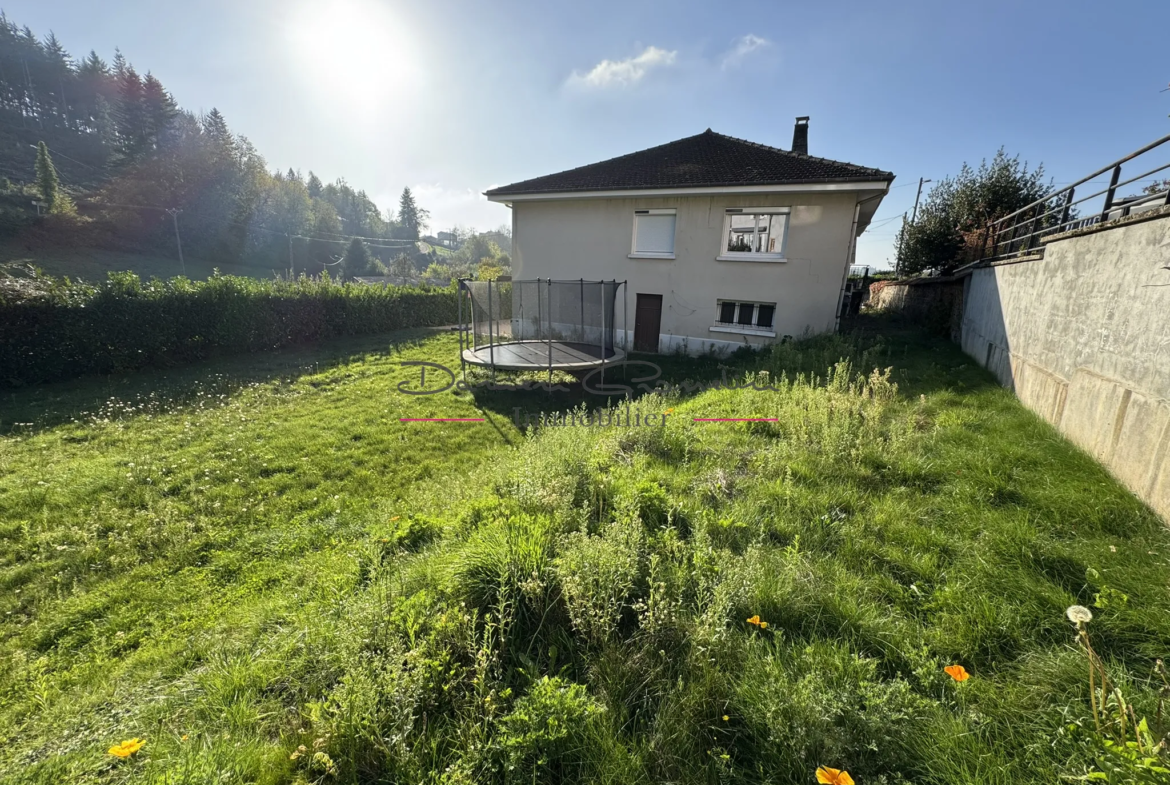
(723, 242)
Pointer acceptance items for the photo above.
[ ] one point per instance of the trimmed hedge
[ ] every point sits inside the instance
(52, 329)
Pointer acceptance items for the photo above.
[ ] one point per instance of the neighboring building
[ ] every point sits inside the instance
(724, 242)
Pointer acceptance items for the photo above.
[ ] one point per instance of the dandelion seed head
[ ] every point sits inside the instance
(1079, 614)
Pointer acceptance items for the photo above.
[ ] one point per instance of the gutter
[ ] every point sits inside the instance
(852, 252)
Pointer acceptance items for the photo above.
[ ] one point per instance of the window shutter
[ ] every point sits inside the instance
(654, 234)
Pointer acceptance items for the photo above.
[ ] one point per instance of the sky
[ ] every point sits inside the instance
(452, 98)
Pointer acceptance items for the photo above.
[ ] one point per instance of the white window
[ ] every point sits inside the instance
(741, 316)
(653, 234)
(754, 234)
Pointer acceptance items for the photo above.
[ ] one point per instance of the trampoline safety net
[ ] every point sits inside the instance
(579, 316)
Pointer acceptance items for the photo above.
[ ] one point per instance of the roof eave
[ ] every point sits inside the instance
(876, 183)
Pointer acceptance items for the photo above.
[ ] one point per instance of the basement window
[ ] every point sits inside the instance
(738, 316)
(752, 234)
(653, 234)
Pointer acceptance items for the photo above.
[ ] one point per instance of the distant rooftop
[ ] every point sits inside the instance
(708, 160)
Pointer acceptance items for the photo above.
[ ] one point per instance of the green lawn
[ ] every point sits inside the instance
(255, 567)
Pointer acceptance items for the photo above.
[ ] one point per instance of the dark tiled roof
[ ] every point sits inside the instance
(704, 160)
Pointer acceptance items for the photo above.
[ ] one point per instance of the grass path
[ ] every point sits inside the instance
(237, 559)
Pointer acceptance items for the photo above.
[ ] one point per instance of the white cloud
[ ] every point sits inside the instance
(622, 73)
(743, 47)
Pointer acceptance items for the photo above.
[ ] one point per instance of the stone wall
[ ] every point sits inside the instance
(934, 303)
(1082, 336)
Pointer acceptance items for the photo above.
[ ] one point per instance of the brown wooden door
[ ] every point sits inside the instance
(647, 322)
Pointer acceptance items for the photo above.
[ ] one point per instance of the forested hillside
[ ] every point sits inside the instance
(134, 169)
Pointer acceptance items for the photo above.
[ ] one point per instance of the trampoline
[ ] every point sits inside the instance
(540, 324)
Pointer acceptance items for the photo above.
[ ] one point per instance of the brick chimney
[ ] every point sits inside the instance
(800, 136)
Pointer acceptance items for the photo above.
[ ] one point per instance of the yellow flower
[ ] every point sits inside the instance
(184, 737)
(763, 625)
(957, 672)
(396, 517)
(726, 718)
(827, 776)
(670, 410)
(126, 748)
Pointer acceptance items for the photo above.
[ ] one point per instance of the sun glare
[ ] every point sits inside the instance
(356, 53)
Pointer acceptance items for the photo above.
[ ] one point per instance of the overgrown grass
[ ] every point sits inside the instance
(257, 569)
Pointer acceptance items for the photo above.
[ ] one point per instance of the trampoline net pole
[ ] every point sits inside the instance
(491, 343)
(550, 334)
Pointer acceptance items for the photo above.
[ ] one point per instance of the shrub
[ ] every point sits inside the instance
(545, 732)
(598, 575)
(57, 329)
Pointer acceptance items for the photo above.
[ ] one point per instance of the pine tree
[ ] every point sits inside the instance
(93, 65)
(103, 120)
(57, 201)
(130, 114)
(216, 127)
(158, 110)
(357, 259)
(411, 218)
(314, 186)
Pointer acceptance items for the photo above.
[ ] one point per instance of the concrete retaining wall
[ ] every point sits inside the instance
(1083, 338)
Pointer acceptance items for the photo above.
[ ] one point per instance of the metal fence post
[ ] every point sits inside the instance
(1111, 192)
(1067, 209)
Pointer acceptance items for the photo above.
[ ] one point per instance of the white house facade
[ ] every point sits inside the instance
(723, 243)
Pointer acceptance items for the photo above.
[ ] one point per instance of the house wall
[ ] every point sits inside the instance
(1083, 338)
(592, 238)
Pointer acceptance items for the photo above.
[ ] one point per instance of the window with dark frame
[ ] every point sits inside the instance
(745, 315)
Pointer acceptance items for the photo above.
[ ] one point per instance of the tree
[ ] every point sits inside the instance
(952, 223)
(158, 110)
(402, 266)
(130, 114)
(56, 200)
(412, 219)
(357, 259)
(314, 185)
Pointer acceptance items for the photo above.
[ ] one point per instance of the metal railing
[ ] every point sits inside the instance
(1020, 233)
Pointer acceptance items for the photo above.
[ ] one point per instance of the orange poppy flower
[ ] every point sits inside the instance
(827, 776)
(957, 672)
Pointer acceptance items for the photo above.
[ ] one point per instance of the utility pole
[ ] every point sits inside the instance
(178, 241)
(913, 218)
(918, 196)
(292, 268)
(898, 256)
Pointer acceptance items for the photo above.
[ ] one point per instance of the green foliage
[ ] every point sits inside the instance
(951, 223)
(56, 200)
(546, 729)
(599, 575)
(55, 329)
(357, 259)
(412, 219)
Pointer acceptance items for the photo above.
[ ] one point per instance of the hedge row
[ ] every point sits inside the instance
(52, 329)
